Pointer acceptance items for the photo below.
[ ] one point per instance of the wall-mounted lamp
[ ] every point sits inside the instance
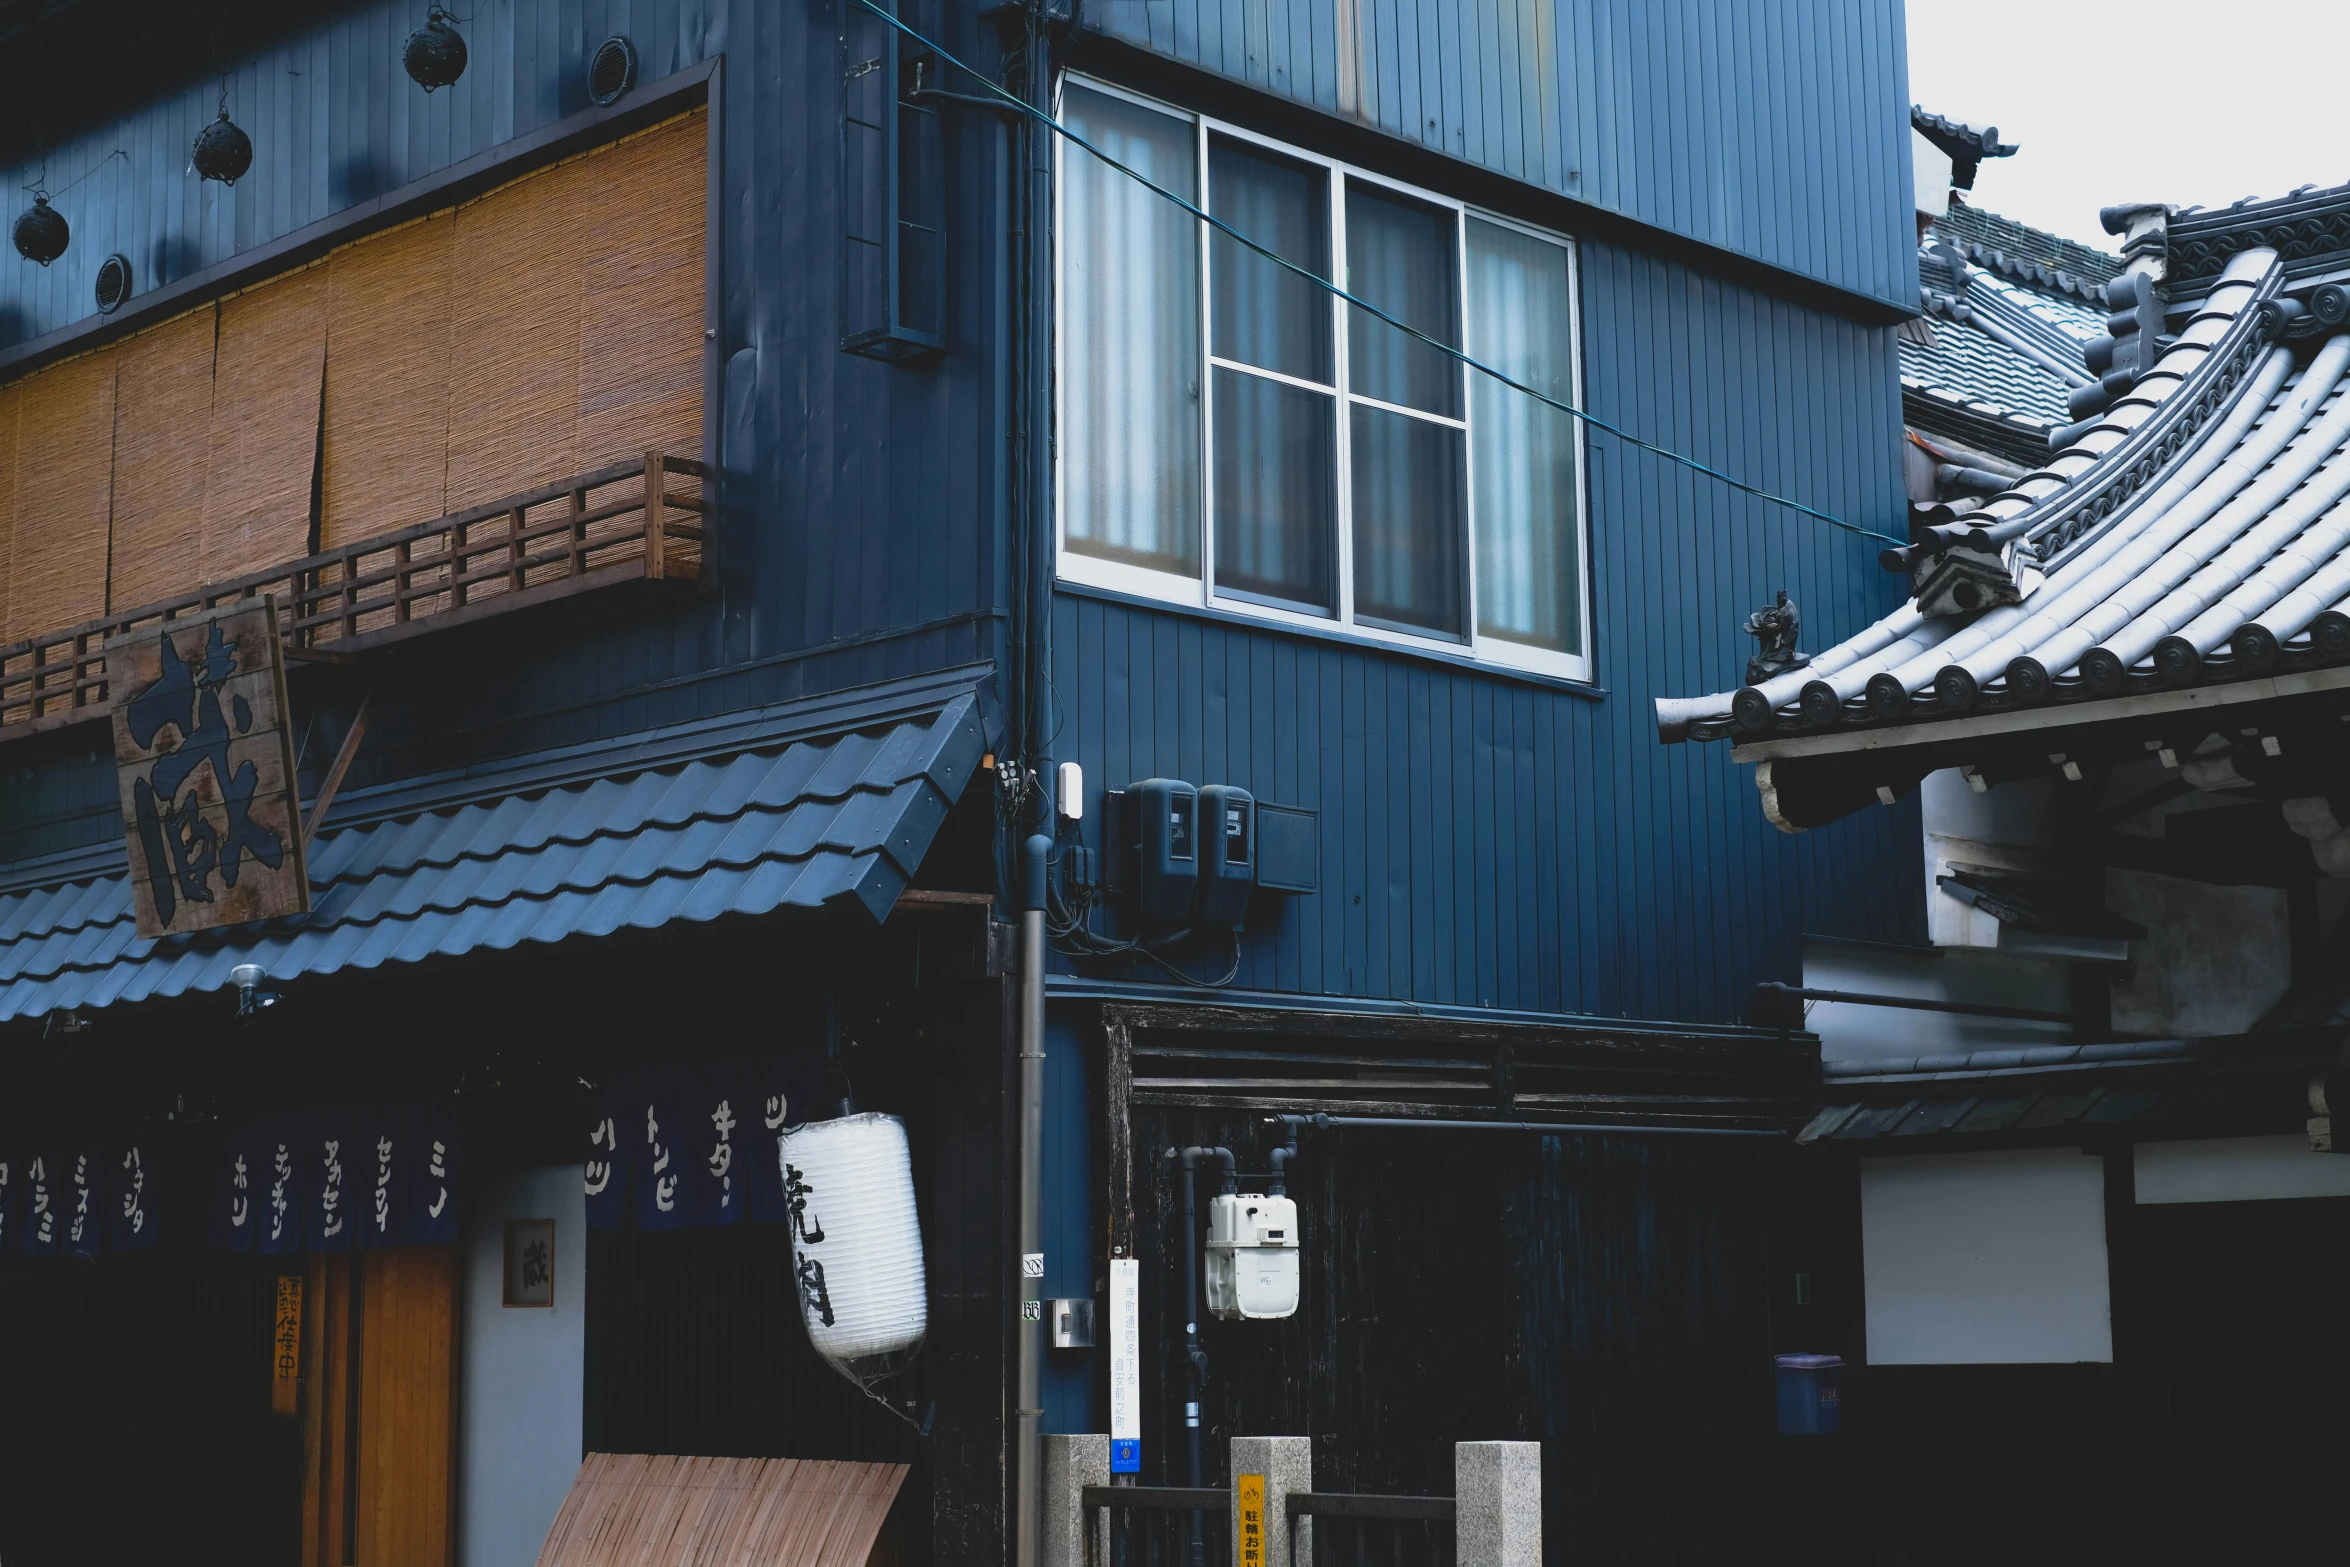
(251, 998)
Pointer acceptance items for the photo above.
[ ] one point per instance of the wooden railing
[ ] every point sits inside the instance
(591, 531)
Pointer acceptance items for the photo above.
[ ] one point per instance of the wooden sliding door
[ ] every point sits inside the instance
(379, 1409)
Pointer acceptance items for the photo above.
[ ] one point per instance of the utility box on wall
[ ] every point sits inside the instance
(1252, 1256)
(1172, 853)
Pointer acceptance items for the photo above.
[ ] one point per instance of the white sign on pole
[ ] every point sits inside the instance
(1125, 1366)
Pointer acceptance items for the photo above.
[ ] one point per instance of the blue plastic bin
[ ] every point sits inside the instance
(1810, 1394)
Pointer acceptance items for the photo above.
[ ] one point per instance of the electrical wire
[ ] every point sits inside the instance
(1204, 216)
(1072, 933)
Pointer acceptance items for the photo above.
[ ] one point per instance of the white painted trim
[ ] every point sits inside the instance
(2239, 1169)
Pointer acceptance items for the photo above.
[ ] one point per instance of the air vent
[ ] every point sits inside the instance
(114, 283)
(612, 72)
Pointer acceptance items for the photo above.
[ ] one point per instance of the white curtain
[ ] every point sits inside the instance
(1529, 568)
(1130, 349)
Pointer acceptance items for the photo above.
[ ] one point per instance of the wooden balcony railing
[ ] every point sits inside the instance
(592, 531)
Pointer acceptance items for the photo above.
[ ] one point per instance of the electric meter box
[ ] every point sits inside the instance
(1228, 853)
(1252, 1257)
(1165, 814)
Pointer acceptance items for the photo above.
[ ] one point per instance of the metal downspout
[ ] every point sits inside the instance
(1029, 1328)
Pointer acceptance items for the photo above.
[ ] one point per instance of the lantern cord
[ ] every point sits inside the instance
(37, 187)
(1323, 283)
(920, 1427)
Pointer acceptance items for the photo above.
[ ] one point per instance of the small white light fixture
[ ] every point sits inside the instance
(1069, 791)
(251, 998)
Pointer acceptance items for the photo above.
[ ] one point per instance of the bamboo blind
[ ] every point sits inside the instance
(10, 402)
(162, 429)
(640, 350)
(264, 439)
(65, 425)
(551, 326)
(651, 1510)
(387, 375)
(514, 357)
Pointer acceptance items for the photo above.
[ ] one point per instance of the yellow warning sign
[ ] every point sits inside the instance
(1248, 1520)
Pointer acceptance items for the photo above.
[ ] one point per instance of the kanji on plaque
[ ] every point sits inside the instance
(285, 1347)
(204, 762)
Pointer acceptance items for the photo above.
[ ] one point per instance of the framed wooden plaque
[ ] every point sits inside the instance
(204, 759)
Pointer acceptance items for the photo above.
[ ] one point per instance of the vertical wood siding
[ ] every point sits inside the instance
(1776, 130)
(1492, 841)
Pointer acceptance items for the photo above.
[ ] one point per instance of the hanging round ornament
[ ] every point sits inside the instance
(434, 55)
(222, 152)
(41, 232)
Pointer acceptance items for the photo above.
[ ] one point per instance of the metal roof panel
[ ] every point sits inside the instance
(820, 823)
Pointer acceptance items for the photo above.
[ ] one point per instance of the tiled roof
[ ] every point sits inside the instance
(1965, 145)
(2026, 255)
(2197, 530)
(791, 809)
(1980, 372)
(1995, 348)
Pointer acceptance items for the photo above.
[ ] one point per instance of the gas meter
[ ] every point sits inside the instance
(1252, 1256)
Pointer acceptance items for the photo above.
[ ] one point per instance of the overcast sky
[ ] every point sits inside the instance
(2157, 101)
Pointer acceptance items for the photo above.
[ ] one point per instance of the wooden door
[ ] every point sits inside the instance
(379, 1409)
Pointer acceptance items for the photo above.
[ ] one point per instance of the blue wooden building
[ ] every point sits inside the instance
(714, 466)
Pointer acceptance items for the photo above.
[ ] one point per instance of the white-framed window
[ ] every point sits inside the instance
(1232, 436)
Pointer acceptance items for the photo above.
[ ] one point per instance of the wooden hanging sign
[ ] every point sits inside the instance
(204, 759)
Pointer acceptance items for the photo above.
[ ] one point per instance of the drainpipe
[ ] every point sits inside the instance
(1029, 1328)
(1195, 1359)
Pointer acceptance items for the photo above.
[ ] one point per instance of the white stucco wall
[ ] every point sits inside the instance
(1986, 1258)
(521, 1378)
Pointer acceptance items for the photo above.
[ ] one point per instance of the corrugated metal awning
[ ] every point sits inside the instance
(825, 804)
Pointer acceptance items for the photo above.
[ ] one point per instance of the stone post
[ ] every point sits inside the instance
(1497, 1504)
(1284, 1465)
(1071, 1463)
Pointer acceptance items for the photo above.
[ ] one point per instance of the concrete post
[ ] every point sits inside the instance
(1071, 1463)
(1281, 1465)
(1497, 1504)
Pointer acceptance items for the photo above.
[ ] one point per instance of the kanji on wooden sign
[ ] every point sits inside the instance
(204, 759)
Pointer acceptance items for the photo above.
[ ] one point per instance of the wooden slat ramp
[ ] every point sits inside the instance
(653, 1510)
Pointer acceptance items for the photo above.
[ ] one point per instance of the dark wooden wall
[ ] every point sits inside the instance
(1604, 1296)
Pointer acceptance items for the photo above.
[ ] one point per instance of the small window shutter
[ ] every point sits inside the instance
(514, 339)
(640, 356)
(387, 383)
(162, 428)
(66, 417)
(265, 426)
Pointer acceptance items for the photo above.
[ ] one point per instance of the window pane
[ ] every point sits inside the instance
(1399, 257)
(1263, 315)
(1276, 490)
(1408, 516)
(1523, 455)
(1130, 363)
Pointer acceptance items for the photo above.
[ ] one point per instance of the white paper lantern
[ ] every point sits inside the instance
(856, 1243)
